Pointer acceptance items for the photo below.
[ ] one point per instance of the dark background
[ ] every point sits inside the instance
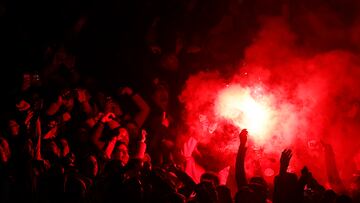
(112, 46)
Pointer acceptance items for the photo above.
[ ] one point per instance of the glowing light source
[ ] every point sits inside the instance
(246, 109)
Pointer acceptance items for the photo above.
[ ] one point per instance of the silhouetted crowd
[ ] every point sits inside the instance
(71, 134)
(86, 143)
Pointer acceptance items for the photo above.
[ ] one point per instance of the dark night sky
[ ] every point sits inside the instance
(113, 36)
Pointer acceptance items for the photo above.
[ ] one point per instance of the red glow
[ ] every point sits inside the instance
(287, 96)
(236, 104)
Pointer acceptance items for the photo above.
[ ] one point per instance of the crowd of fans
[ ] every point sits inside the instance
(83, 144)
(69, 137)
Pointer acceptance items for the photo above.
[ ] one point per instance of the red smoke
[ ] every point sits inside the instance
(247, 107)
(288, 96)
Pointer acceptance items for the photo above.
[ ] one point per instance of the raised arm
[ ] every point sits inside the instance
(240, 160)
(144, 108)
(286, 186)
(331, 169)
(141, 146)
(54, 107)
(83, 98)
(38, 141)
(191, 168)
(285, 160)
(96, 135)
(141, 116)
(110, 145)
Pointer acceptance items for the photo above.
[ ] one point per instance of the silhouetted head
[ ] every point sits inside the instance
(224, 194)
(206, 192)
(329, 196)
(210, 177)
(121, 153)
(260, 188)
(343, 199)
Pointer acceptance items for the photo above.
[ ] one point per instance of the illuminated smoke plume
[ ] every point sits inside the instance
(287, 94)
(247, 107)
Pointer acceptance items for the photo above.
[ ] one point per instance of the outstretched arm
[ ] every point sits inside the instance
(240, 160)
(287, 188)
(280, 183)
(285, 160)
(191, 168)
(331, 169)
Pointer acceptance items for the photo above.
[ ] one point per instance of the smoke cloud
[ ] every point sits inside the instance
(304, 69)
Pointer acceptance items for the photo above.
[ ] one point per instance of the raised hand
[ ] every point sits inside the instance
(66, 117)
(143, 135)
(59, 100)
(243, 136)
(165, 121)
(108, 117)
(23, 105)
(82, 95)
(223, 175)
(240, 173)
(126, 91)
(51, 133)
(28, 118)
(189, 147)
(285, 160)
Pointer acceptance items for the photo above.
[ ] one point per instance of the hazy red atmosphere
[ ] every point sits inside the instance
(180, 101)
(288, 96)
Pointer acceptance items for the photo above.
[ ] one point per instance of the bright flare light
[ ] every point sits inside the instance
(246, 109)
